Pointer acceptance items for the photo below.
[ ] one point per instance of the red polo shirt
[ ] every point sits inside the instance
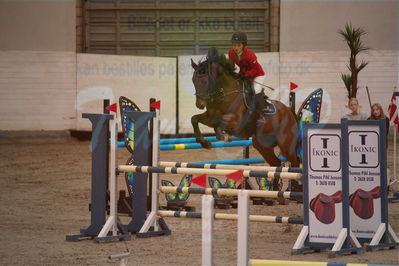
(248, 63)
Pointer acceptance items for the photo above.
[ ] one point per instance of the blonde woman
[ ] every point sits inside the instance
(356, 113)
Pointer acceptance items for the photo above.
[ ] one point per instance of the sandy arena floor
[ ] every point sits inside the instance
(45, 192)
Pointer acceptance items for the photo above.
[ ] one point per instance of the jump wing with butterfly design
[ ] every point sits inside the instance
(215, 183)
(184, 182)
(309, 112)
(126, 104)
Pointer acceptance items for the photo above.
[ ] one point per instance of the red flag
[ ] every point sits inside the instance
(156, 105)
(236, 176)
(200, 180)
(111, 107)
(393, 109)
(293, 86)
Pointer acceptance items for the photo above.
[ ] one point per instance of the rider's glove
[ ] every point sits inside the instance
(236, 68)
(241, 76)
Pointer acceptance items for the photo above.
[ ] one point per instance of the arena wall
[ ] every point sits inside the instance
(38, 65)
(313, 25)
(137, 78)
(38, 90)
(46, 85)
(50, 90)
(38, 25)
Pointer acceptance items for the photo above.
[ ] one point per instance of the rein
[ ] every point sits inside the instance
(215, 98)
(219, 95)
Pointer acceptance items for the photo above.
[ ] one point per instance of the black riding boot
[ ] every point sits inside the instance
(260, 104)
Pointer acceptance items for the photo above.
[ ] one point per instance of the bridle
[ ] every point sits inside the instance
(204, 76)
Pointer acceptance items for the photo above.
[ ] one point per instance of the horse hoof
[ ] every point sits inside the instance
(228, 138)
(206, 144)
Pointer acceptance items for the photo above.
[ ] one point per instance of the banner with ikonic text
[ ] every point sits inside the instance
(367, 177)
(323, 185)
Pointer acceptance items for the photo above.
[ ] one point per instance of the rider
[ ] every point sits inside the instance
(250, 69)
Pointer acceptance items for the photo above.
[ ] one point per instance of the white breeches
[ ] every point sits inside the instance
(258, 82)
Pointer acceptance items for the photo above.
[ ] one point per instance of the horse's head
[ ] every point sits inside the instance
(205, 79)
(208, 76)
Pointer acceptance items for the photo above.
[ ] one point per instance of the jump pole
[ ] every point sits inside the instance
(198, 171)
(121, 144)
(190, 140)
(236, 167)
(231, 192)
(193, 146)
(234, 216)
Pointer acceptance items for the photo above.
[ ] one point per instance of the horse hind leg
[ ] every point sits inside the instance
(267, 153)
(288, 145)
(271, 158)
(292, 157)
(290, 154)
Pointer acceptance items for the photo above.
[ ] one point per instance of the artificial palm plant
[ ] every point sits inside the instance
(352, 37)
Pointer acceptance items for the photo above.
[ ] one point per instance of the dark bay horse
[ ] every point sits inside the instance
(221, 92)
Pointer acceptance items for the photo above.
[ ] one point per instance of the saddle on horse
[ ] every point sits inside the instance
(257, 104)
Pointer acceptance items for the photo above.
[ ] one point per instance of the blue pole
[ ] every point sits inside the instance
(190, 146)
(236, 161)
(121, 144)
(188, 140)
(241, 161)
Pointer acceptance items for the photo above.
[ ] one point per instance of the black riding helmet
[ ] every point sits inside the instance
(240, 37)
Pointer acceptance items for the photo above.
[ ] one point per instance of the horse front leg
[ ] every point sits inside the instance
(203, 119)
(227, 127)
(221, 134)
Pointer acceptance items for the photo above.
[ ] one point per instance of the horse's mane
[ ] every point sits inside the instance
(213, 56)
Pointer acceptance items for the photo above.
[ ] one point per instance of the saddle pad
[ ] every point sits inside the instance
(270, 108)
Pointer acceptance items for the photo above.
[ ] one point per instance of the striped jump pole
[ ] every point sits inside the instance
(198, 171)
(233, 216)
(191, 146)
(236, 167)
(231, 192)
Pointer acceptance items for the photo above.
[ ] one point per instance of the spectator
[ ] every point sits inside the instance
(378, 113)
(356, 113)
